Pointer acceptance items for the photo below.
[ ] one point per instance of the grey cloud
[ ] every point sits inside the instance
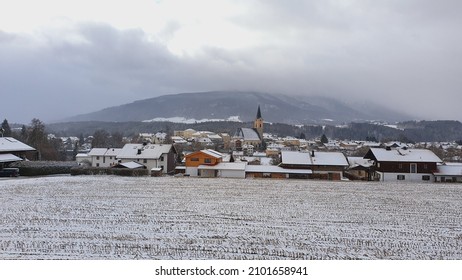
(406, 56)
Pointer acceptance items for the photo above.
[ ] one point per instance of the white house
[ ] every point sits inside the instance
(103, 157)
(161, 156)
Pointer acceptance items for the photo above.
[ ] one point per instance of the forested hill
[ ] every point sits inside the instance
(243, 105)
(412, 131)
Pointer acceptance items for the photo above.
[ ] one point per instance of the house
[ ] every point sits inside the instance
(324, 165)
(161, 156)
(103, 157)
(203, 157)
(449, 172)
(12, 150)
(403, 164)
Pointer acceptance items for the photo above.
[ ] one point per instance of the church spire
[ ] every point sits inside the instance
(259, 113)
(258, 124)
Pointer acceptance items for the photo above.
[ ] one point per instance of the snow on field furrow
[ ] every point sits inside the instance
(186, 218)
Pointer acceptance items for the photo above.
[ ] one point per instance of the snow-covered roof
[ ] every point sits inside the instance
(9, 144)
(9, 158)
(112, 152)
(449, 170)
(97, 152)
(149, 151)
(131, 165)
(320, 158)
(359, 161)
(248, 134)
(212, 153)
(215, 136)
(82, 155)
(405, 155)
(329, 158)
(293, 157)
(275, 169)
(225, 166)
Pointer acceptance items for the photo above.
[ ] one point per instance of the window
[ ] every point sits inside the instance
(208, 160)
(401, 177)
(426, 178)
(413, 168)
(194, 159)
(97, 158)
(145, 161)
(161, 158)
(400, 166)
(425, 166)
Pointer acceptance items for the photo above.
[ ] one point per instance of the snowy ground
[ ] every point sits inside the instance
(105, 217)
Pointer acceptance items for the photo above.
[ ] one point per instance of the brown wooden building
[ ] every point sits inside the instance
(403, 164)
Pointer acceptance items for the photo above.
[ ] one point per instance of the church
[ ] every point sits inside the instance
(245, 137)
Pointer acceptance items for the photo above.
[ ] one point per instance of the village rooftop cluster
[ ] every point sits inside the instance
(251, 153)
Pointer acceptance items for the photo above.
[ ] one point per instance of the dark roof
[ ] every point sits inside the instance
(259, 113)
(248, 134)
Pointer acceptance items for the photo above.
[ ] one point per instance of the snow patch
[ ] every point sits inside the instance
(192, 120)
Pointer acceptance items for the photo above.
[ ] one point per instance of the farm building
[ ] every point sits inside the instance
(324, 165)
(390, 164)
(449, 172)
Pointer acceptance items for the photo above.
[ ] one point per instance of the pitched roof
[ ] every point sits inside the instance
(449, 170)
(131, 165)
(403, 155)
(248, 134)
(9, 158)
(319, 158)
(208, 152)
(275, 169)
(298, 158)
(149, 151)
(9, 144)
(225, 166)
(97, 152)
(329, 158)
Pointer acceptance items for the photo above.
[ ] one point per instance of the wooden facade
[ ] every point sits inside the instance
(201, 158)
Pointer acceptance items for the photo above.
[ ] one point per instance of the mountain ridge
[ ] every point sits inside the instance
(225, 104)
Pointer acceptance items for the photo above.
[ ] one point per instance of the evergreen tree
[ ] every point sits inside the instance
(324, 139)
(6, 129)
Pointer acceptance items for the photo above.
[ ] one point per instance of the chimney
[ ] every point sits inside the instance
(312, 153)
(139, 152)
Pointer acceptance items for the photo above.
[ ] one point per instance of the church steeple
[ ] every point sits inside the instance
(258, 124)
(258, 113)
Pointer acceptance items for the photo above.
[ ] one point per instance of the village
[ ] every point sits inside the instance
(252, 153)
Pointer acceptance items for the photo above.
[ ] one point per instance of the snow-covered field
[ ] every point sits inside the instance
(106, 217)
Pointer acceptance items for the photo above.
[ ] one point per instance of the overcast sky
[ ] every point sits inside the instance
(60, 58)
